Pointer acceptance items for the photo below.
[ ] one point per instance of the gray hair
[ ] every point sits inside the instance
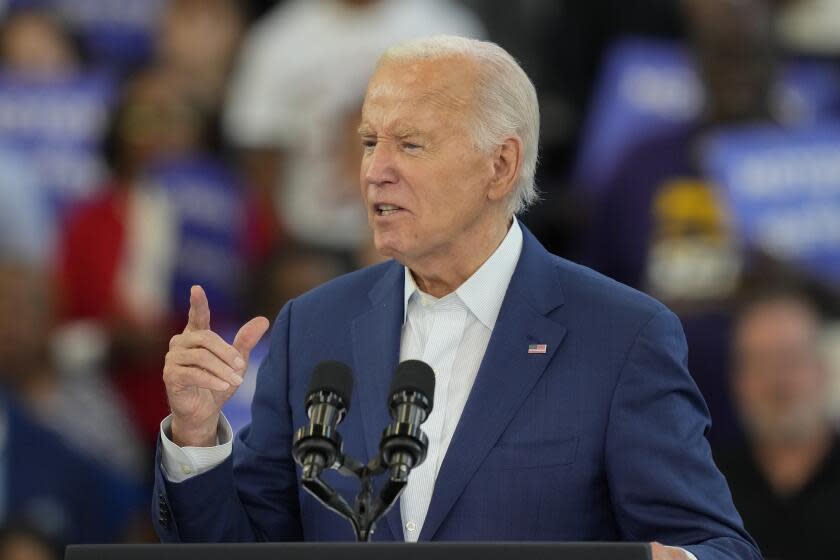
(506, 101)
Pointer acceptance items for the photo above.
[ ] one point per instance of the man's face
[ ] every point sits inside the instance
(780, 383)
(424, 182)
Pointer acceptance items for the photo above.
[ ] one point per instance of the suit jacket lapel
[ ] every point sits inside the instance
(506, 376)
(376, 351)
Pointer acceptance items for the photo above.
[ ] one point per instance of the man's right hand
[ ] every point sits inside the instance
(202, 372)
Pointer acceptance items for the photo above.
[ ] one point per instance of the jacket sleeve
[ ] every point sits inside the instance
(663, 481)
(253, 494)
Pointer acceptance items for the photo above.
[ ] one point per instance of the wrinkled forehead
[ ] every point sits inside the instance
(419, 89)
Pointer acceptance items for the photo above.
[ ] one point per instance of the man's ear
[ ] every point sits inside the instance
(507, 162)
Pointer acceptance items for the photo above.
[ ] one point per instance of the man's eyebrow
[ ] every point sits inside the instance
(401, 132)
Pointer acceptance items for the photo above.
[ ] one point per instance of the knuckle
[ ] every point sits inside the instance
(233, 353)
(204, 337)
(175, 356)
(195, 357)
(200, 357)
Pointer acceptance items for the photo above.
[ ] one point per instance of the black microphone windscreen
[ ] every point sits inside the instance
(333, 376)
(414, 375)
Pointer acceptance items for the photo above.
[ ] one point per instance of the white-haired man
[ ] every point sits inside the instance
(563, 410)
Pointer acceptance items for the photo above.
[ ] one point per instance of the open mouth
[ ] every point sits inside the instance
(386, 209)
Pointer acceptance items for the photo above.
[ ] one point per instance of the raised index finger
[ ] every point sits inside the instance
(199, 315)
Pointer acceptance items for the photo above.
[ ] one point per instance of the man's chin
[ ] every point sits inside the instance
(387, 250)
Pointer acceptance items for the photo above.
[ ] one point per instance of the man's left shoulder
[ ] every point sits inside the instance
(602, 299)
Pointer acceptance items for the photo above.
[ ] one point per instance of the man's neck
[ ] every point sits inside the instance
(790, 465)
(442, 275)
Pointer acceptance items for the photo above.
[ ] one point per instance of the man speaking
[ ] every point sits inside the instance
(563, 408)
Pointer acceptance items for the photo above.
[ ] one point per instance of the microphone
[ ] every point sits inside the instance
(318, 446)
(404, 444)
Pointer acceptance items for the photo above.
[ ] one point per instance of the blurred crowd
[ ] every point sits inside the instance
(148, 146)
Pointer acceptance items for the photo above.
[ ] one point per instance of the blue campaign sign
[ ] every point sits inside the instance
(648, 86)
(811, 90)
(645, 86)
(783, 189)
(58, 125)
(209, 208)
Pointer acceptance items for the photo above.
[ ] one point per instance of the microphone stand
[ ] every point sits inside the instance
(368, 507)
(403, 446)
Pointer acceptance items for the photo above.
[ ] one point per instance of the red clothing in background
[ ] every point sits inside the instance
(90, 251)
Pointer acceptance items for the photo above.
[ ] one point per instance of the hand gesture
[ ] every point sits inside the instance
(202, 372)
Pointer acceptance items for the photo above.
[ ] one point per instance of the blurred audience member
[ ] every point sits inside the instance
(116, 253)
(53, 108)
(291, 272)
(786, 480)
(115, 34)
(296, 97)
(26, 227)
(732, 43)
(198, 40)
(20, 542)
(52, 394)
(660, 225)
(809, 26)
(33, 43)
(560, 44)
(54, 489)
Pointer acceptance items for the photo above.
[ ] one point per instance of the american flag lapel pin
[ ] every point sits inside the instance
(537, 348)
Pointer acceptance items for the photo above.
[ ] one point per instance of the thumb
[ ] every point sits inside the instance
(248, 336)
(199, 316)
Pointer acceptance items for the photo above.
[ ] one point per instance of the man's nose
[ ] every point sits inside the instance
(378, 166)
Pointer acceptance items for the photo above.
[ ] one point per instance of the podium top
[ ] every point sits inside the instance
(365, 551)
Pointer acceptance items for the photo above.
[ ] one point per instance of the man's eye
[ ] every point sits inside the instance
(410, 146)
(368, 144)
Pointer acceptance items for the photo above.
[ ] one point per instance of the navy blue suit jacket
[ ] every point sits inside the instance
(600, 438)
